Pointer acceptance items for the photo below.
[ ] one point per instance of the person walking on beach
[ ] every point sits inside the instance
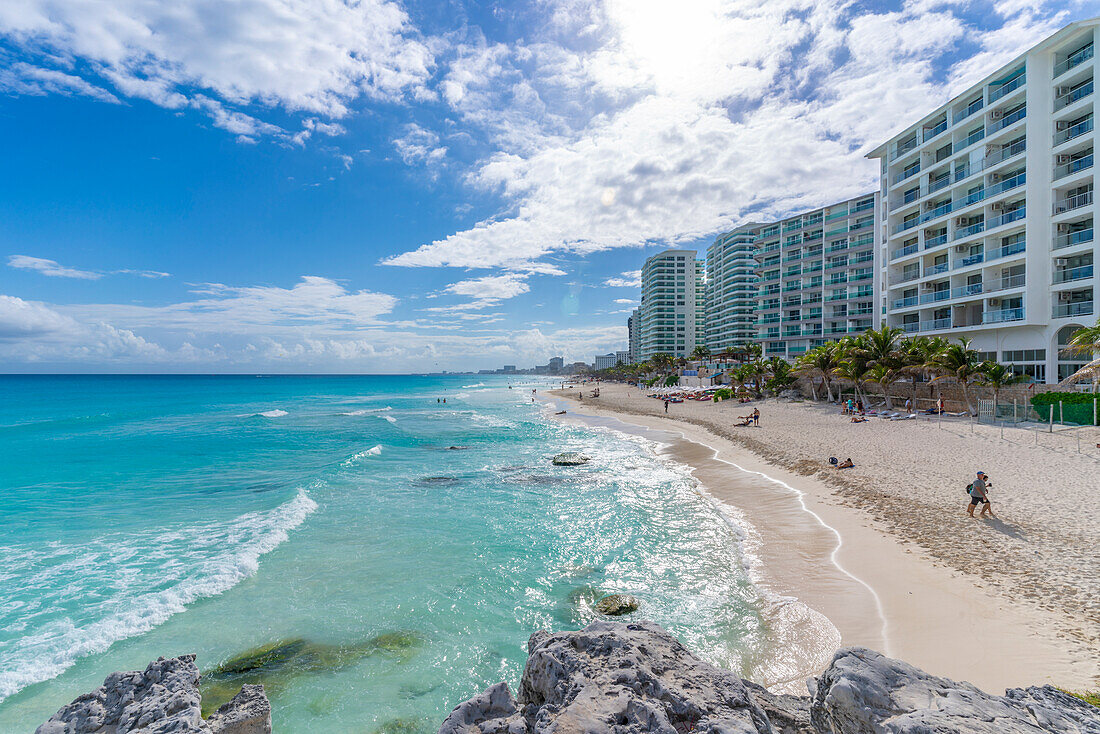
(756, 417)
(666, 405)
(908, 406)
(980, 496)
(939, 406)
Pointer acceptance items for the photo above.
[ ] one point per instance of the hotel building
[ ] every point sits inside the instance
(988, 209)
(672, 314)
(633, 322)
(731, 289)
(816, 277)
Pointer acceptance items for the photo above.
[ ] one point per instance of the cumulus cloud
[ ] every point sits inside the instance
(625, 300)
(672, 123)
(627, 279)
(419, 145)
(298, 55)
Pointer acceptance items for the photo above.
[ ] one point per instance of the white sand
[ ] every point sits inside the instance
(1010, 602)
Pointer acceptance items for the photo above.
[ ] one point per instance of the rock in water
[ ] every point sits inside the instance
(864, 691)
(161, 699)
(570, 459)
(616, 605)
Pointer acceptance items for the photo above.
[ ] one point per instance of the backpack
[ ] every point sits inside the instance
(970, 488)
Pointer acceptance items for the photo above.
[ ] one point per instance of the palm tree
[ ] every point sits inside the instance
(885, 376)
(1085, 341)
(819, 361)
(997, 376)
(782, 374)
(853, 368)
(700, 352)
(881, 346)
(960, 362)
(662, 361)
(755, 371)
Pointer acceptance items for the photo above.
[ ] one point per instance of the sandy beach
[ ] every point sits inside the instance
(885, 549)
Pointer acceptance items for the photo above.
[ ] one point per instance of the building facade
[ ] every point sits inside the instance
(731, 289)
(634, 344)
(988, 211)
(817, 277)
(672, 315)
(609, 360)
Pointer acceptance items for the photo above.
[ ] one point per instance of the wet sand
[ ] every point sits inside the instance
(840, 561)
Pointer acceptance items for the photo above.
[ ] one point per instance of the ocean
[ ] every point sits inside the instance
(383, 554)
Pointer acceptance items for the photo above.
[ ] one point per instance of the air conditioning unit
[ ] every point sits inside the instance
(1064, 297)
(1061, 262)
(962, 221)
(996, 114)
(1063, 228)
(994, 178)
(962, 248)
(927, 286)
(1063, 159)
(994, 301)
(997, 207)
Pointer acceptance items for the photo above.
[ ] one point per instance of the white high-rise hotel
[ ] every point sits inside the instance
(672, 315)
(988, 210)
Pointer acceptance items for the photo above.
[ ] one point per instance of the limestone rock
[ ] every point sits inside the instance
(162, 699)
(864, 692)
(625, 678)
(492, 712)
(249, 712)
(570, 459)
(616, 605)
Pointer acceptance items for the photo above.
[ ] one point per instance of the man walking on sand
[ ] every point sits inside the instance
(980, 496)
(756, 417)
(666, 405)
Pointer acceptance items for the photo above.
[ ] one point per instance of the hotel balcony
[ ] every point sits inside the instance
(1069, 275)
(1070, 239)
(1074, 201)
(1072, 310)
(1003, 315)
(1074, 60)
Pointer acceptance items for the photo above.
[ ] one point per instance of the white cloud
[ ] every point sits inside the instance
(53, 269)
(629, 279)
(23, 78)
(670, 123)
(419, 145)
(50, 268)
(625, 300)
(310, 56)
(493, 287)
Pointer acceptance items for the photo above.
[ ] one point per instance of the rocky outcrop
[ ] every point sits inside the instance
(616, 605)
(864, 691)
(632, 678)
(161, 699)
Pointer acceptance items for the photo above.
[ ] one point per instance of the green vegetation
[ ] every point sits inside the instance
(1090, 697)
(1076, 407)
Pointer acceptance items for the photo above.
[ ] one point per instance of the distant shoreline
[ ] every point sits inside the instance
(936, 616)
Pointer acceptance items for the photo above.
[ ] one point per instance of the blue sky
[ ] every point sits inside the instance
(374, 186)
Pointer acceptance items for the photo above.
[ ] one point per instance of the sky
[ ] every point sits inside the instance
(371, 186)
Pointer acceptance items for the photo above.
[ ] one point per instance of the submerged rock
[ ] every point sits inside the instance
(161, 699)
(570, 459)
(616, 605)
(277, 663)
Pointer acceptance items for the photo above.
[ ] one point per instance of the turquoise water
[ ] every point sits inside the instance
(147, 516)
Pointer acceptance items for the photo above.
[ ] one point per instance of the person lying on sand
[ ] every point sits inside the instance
(746, 420)
(858, 419)
(846, 464)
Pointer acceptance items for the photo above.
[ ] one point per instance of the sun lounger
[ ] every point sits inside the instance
(903, 417)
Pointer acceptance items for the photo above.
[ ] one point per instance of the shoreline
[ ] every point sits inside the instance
(884, 591)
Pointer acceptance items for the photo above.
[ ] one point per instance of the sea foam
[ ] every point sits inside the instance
(200, 560)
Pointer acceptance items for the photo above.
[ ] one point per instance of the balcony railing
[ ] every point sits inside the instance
(1004, 314)
(1074, 59)
(995, 94)
(970, 260)
(1074, 131)
(1006, 218)
(905, 147)
(1006, 251)
(1075, 166)
(907, 173)
(969, 230)
(1072, 238)
(1074, 95)
(1066, 310)
(935, 296)
(936, 130)
(1068, 275)
(971, 138)
(1073, 202)
(936, 269)
(1009, 183)
(935, 324)
(1007, 120)
(936, 241)
(965, 291)
(968, 111)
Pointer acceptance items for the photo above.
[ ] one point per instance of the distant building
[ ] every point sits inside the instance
(673, 310)
(579, 367)
(556, 365)
(609, 360)
(509, 369)
(633, 324)
(731, 289)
